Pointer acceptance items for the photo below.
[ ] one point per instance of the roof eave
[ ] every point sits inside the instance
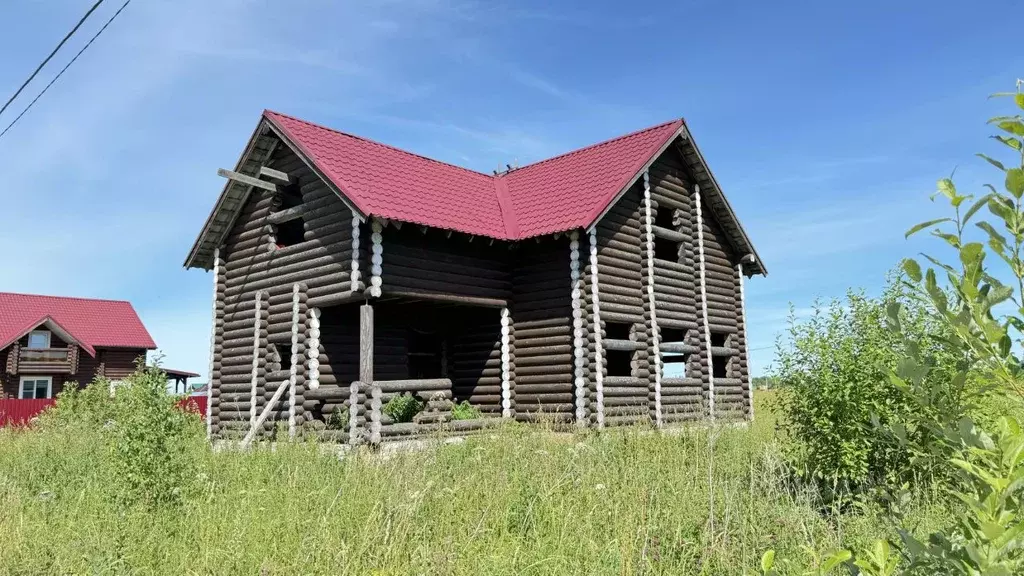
(307, 159)
(683, 133)
(54, 327)
(191, 260)
(762, 269)
(598, 215)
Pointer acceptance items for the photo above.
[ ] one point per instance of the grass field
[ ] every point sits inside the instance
(707, 500)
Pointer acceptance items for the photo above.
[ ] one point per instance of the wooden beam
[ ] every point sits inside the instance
(619, 344)
(286, 215)
(667, 234)
(281, 177)
(366, 343)
(678, 348)
(247, 180)
(455, 298)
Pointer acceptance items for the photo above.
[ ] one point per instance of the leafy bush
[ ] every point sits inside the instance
(983, 319)
(403, 407)
(146, 436)
(833, 369)
(465, 411)
(338, 419)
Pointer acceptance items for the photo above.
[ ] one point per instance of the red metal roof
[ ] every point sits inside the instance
(93, 323)
(562, 193)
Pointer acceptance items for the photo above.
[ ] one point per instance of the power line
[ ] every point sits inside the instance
(55, 50)
(66, 66)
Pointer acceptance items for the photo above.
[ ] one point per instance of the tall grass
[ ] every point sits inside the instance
(707, 500)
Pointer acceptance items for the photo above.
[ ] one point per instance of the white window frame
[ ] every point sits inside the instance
(23, 379)
(45, 333)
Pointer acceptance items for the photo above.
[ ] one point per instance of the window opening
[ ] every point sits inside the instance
(619, 362)
(674, 365)
(664, 219)
(617, 330)
(39, 339)
(293, 231)
(36, 387)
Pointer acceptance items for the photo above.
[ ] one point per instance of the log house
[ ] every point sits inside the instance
(603, 287)
(50, 342)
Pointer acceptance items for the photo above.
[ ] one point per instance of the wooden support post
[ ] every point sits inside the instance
(376, 402)
(598, 332)
(579, 341)
(506, 362)
(704, 302)
(354, 278)
(655, 337)
(313, 350)
(355, 410)
(294, 369)
(743, 351)
(376, 258)
(256, 325)
(366, 343)
(213, 345)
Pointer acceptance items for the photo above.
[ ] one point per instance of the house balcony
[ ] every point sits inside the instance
(47, 361)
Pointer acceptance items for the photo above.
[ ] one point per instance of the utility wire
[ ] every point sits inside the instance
(66, 66)
(55, 50)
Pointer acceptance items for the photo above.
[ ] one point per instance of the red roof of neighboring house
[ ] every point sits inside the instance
(92, 323)
(562, 193)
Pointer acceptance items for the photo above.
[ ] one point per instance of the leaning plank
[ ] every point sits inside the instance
(248, 180)
(258, 425)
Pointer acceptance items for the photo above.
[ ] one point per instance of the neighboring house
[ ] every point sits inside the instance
(49, 341)
(601, 287)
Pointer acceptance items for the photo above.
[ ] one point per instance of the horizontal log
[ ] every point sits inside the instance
(622, 345)
(667, 234)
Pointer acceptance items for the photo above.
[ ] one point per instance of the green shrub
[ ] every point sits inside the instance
(834, 373)
(403, 407)
(465, 411)
(147, 437)
(982, 320)
(338, 419)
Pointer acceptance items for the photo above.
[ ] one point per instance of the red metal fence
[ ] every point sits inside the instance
(20, 412)
(15, 412)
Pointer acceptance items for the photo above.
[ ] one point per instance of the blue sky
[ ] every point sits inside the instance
(826, 123)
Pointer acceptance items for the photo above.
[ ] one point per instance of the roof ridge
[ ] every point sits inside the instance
(81, 298)
(509, 219)
(598, 145)
(376, 143)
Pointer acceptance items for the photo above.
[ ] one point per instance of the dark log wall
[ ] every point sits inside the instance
(677, 287)
(434, 262)
(111, 363)
(724, 317)
(629, 390)
(621, 280)
(251, 263)
(473, 356)
(542, 346)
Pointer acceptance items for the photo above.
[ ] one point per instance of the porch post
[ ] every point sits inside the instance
(704, 303)
(366, 344)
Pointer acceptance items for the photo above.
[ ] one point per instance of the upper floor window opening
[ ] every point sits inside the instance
(39, 339)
